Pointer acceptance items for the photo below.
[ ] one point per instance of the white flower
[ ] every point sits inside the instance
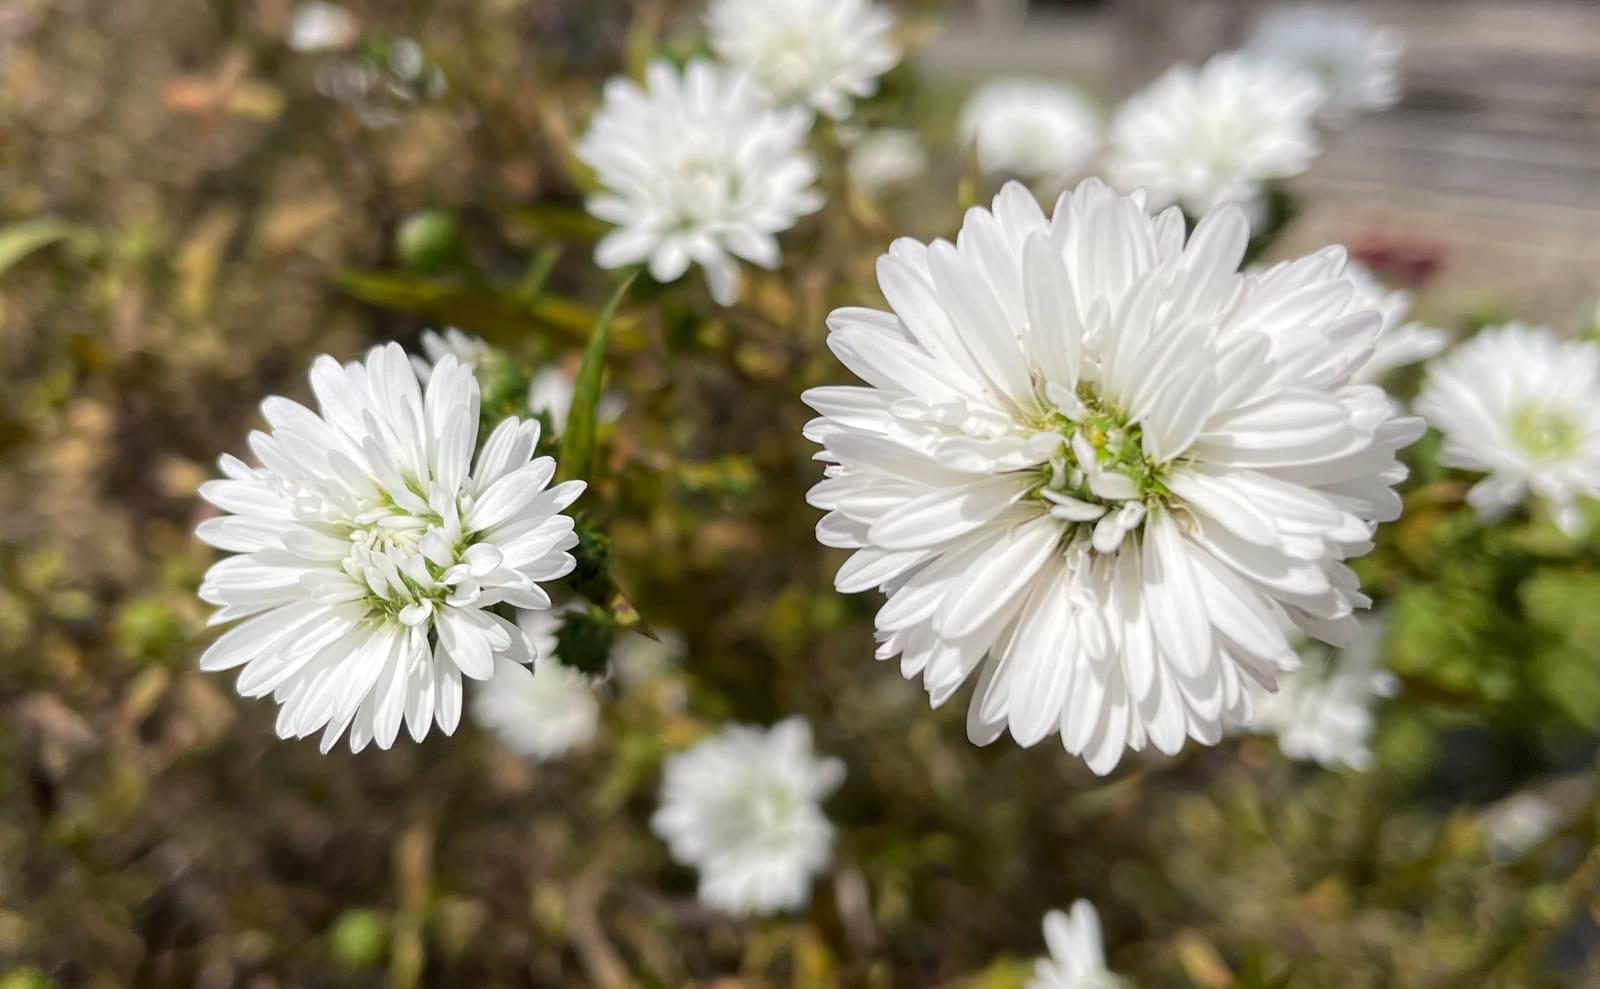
(320, 27)
(744, 807)
(1358, 62)
(1108, 462)
(886, 158)
(1077, 958)
(1519, 404)
(467, 349)
(696, 168)
(1032, 129)
(1399, 344)
(371, 549)
(1325, 715)
(1518, 823)
(819, 53)
(542, 712)
(1200, 137)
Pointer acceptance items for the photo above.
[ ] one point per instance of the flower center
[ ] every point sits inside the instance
(1097, 474)
(764, 808)
(1544, 432)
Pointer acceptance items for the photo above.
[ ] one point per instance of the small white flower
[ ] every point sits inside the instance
(320, 27)
(1096, 461)
(824, 54)
(1032, 129)
(1518, 823)
(540, 712)
(1519, 404)
(1358, 62)
(1399, 343)
(1201, 137)
(696, 168)
(1077, 957)
(370, 550)
(467, 349)
(885, 158)
(1325, 715)
(744, 807)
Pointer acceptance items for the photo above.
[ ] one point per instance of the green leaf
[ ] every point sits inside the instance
(21, 239)
(577, 443)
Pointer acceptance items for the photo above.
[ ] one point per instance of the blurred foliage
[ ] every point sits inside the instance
(218, 222)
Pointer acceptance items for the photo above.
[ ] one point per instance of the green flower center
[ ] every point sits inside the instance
(1544, 432)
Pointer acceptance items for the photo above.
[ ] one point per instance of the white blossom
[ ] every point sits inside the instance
(696, 168)
(1095, 460)
(1077, 957)
(543, 711)
(1216, 134)
(1357, 62)
(824, 54)
(744, 808)
(320, 27)
(370, 549)
(883, 159)
(467, 349)
(1519, 404)
(1032, 129)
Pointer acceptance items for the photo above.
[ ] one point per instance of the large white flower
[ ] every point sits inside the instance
(1400, 343)
(1325, 714)
(744, 807)
(1358, 62)
(1108, 462)
(371, 548)
(1032, 129)
(1200, 137)
(696, 167)
(540, 712)
(1520, 404)
(1077, 957)
(823, 54)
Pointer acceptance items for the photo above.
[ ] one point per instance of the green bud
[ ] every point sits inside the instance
(584, 640)
(360, 938)
(429, 240)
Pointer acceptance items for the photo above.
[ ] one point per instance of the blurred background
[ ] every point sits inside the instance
(191, 208)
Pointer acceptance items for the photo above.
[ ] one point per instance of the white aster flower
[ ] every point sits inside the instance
(1032, 129)
(544, 711)
(1519, 404)
(885, 158)
(370, 550)
(1077, 957)
(320, 27)
(1200, 137)
(1358, 62)
(1399, 343)
(696, 168)
(824, 54)
(467, 349)
(1107, 462)
(1325, 714)
(744, 808)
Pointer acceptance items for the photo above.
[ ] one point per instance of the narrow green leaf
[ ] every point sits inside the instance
(577, 443)
(21, 239)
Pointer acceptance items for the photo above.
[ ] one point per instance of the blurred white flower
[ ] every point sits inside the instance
(1326, 714)
(1399, 344)
(824, 54)
(638, 659)
(1201, 137)
(1032, 129)
(464, 347)
(886, 158)
(319, 27)
(551, 392)
(744, 808)
(696, 168)
(1520, 404)
(371, 551)
(1077, 956)
(1093, 452)
(1358, 62)
(1518, 823)
(540, 712)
